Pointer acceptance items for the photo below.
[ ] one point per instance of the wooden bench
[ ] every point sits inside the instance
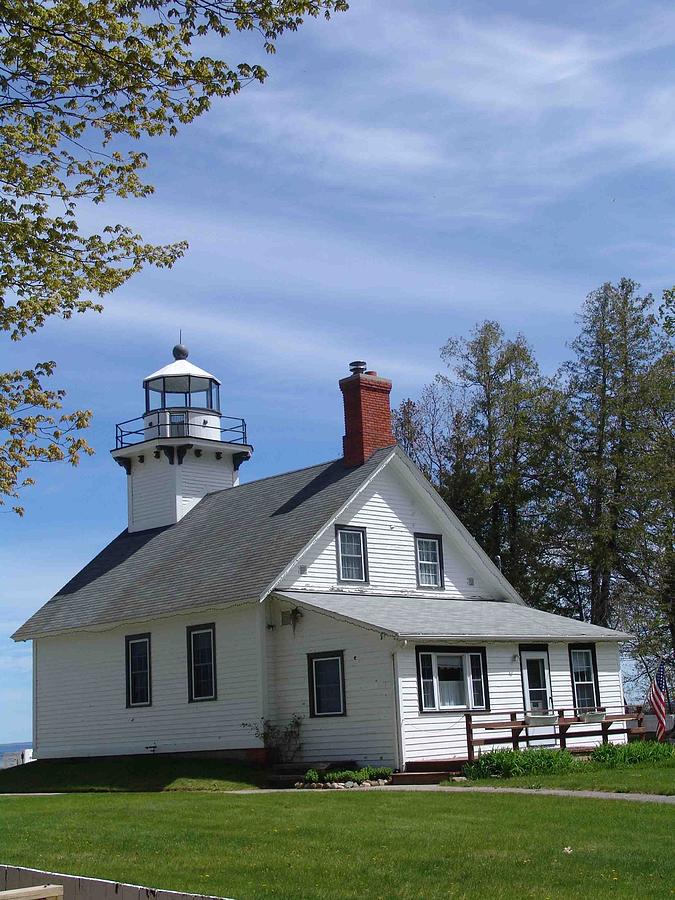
(37, 892)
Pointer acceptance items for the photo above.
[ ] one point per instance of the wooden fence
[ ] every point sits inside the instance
(569, 724)
(77, 887)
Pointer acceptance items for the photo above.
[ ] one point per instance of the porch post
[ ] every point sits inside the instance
(469, 737)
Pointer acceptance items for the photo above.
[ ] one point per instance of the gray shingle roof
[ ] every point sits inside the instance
(230, 547)
(418, 617)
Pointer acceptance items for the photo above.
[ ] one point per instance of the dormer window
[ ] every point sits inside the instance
(429, 560)
(352, 555)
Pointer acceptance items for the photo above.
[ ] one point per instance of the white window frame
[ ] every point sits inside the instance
(140, 639)
(339, 530)
(438, 540)
(468, 679)
(192, 631)
(327, 657)
(592, 682)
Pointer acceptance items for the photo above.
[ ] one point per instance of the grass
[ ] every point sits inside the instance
(141, 773)
(349, 845)
(640, 779)
(642, 766)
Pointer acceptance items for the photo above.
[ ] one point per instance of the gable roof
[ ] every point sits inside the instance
(466, 541)
(230, 547)
(415, 618)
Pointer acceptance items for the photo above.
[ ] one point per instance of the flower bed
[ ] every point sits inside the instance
(347, 779)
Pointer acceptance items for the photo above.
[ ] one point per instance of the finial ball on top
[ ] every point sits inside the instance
(180, 351)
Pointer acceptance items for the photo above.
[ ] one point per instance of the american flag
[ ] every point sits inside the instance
(657, 700)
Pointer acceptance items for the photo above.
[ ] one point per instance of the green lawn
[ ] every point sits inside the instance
(640, 779)
(349, 845)
(142, 773)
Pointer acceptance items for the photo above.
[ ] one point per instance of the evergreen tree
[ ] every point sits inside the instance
(567, 482)
(610, 390)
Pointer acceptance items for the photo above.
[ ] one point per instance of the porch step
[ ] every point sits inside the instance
(420, 777)
(436, 765)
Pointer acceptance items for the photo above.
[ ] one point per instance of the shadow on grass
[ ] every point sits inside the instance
(133, 773)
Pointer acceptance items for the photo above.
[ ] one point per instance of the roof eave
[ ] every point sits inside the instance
(510, 638)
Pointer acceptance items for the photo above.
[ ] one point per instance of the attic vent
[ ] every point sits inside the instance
(286, 617)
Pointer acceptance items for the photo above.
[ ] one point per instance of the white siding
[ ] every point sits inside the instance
(429, 736)
(81, 689)
(367, 733)
(198, 476)
(151, 493)
(391, 513)
(161, 494)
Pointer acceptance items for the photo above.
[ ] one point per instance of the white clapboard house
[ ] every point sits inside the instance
(347, 593)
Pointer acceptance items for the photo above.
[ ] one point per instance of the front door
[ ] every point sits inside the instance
(537, 691)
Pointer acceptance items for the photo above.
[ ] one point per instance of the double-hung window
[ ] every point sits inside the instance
(584, 676)
(429, 560)
(138, 670)
(352, 556)
(201, 652)
(326, 683)
(452, 678)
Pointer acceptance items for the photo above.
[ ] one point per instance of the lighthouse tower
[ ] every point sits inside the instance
(181, 448)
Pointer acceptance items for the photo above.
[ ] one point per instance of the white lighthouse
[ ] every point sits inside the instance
(181, 448)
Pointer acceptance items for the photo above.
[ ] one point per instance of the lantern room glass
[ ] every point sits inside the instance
(182, 392)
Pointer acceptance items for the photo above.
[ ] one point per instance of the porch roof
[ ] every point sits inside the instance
(423, 618)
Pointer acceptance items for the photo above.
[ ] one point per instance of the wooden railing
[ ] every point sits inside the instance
(518, 725)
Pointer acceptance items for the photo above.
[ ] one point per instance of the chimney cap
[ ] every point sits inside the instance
(357, 367)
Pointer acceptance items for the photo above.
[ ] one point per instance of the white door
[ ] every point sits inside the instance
(537, 691)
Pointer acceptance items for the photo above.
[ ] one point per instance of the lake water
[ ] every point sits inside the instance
(9, 748)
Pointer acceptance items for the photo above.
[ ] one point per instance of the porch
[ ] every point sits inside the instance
(576, 730)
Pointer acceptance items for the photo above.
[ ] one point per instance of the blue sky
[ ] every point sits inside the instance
(409, 168)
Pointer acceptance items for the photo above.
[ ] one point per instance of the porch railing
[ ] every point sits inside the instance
(566, 726)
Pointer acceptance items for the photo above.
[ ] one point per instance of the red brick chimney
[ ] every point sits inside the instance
(367, 414)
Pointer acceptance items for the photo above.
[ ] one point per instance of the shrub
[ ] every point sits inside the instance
(511, 763)
(609, 756)
(346, 775)
(367, 773)
(376, 772)
(282, 744)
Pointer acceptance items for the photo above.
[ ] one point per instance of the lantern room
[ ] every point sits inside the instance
(182, 400)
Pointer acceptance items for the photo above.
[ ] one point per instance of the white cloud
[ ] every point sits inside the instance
(467, 114)
(277, 119)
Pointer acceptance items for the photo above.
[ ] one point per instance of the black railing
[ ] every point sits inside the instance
(231, 430)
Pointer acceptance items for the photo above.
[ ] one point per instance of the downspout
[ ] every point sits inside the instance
(399, 758)
(35, 701)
